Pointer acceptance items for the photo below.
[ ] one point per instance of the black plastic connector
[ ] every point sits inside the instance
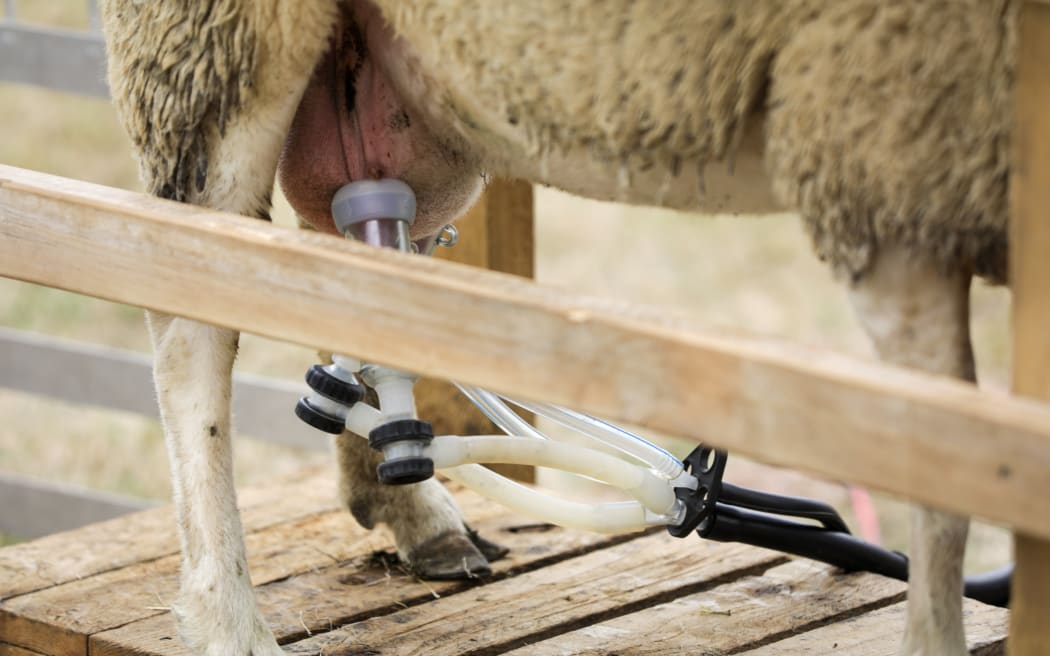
(727, 513)
(409, 469)
(399, 431)
(324, 383)
(318, 418)
(405, 471)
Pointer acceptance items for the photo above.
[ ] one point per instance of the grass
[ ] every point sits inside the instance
(754, 274)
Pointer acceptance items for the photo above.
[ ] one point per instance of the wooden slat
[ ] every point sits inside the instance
(359, 587)
(12, 650)
(78, 554)
(496, 234)
(302, 543)
(878, 634)
(546, 602)
(732, 617)
(34, 508)
(783, 404)
(1030, 280)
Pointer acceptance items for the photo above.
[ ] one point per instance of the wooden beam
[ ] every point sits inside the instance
(496, 234)
(784, 404)
(1030, 279)
(34, 508)
(122, 380)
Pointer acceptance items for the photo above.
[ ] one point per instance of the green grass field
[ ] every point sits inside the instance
(754, 274)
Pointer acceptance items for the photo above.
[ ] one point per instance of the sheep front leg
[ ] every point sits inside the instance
(215, 611)
(918, 317)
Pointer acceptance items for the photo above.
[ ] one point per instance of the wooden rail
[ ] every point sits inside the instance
(121, 380)
(838, 417)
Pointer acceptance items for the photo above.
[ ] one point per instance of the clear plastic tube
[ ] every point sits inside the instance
(498, 412)
(618, 517)
(633, 445)
(637, 481)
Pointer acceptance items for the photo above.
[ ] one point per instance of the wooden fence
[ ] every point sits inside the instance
(834, 416)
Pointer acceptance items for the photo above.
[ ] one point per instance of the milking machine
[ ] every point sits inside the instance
(685, 496)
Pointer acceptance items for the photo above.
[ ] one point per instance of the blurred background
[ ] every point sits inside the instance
(751, 273)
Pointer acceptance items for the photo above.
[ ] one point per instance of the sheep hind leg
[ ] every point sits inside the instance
(918, 317)
(427, 525)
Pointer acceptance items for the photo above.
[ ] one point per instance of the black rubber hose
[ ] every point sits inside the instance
(777, 504)
(842, 550)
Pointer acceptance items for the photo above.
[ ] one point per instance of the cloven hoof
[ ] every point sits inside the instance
(450, 556)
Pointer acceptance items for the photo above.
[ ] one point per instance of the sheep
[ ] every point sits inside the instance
(885, 123)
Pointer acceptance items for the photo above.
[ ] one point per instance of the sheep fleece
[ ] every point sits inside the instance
(885, 121)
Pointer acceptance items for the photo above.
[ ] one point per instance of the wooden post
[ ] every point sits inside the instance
(1030, 279)
(496, 234)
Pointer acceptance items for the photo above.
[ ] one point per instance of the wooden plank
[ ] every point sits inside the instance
(123, 380)
(78, 554)
(360, 587)
(793, 597)
(878, 634)
(12, 650)
(496, 234)
(788, 405)
(536, 605)
(34, 508)
(1030, 280)
(60, 618)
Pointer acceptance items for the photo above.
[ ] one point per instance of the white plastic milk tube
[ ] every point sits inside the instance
(637, 481)
(362, 418)
(622, 517)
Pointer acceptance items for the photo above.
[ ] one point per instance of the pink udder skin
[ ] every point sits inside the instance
(331, 144)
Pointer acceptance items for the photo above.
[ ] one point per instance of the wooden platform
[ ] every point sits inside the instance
(104, 590)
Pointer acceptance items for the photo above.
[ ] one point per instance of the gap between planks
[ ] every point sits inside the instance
(492, 618)
(296, 529)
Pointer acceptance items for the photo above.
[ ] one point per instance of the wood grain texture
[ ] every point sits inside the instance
(1030, 280)
(878, 634)
(731, 617)
(783, 404)
(496, 234)
(85, 552)
(11, 650)
(522, 610)
(360, 587)
(60, 618)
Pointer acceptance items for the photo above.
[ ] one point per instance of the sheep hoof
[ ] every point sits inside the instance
(449, 556)
(488, 548)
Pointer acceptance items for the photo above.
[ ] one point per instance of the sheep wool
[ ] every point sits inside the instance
(881, 121)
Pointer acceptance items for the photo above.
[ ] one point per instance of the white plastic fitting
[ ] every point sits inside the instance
(361, 418)
(394, 389)
(324, 404)
(346, 363)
